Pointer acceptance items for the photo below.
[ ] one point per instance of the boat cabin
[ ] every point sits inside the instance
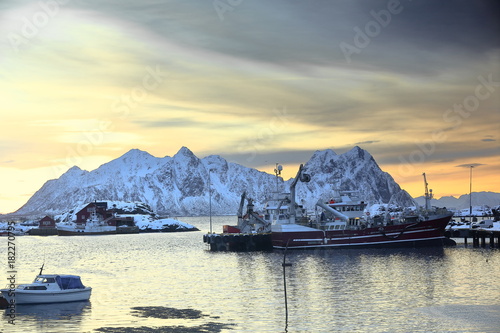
(279, 211)
(345, 211)
(53, 282)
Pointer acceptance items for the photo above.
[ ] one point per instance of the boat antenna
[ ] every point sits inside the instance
(41, 269)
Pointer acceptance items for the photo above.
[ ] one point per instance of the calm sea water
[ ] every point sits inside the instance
(413, 290)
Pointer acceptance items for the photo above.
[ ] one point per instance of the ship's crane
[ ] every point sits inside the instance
(428, 194)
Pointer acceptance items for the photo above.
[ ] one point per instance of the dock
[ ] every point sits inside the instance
(238, 242)
(479, 237)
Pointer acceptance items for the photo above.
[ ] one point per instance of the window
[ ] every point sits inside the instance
(35, 288)
(45, 280)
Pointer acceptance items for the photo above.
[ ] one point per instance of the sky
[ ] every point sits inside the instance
(415, 83)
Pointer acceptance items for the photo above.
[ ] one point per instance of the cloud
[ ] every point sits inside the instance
(469, 165)
(174, 122)
(226, 81)
(367, 142)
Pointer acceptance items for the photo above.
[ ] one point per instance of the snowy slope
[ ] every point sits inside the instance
(179, 185)
(353, 170)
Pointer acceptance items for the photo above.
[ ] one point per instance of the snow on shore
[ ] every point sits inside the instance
(148, 222)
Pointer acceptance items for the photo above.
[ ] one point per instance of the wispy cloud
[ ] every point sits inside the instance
(225, 79)
(367, 142)
(469, 165)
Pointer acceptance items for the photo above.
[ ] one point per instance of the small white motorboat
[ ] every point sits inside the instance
(48, 288)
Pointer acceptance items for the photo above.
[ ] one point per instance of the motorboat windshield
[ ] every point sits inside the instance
(44, 279)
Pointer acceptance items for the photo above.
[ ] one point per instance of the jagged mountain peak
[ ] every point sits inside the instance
(358, 152)
(184, 151)
(321, 157)
(74, 171)
(181, 185)
(135, 154)
(137, 157)
(135, 162)
(324, 153)
(215, 161)
(185, 159)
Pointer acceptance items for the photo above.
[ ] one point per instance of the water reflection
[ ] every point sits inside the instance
(367, 290)
(57, 317)
(72, 310)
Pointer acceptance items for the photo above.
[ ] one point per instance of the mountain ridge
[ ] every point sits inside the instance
(179, 185)
(487, 198)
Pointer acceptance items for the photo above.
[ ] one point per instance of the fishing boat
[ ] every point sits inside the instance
(344, 223)
(48, 288)
(89, 228)
(96, 224)
(251, 233)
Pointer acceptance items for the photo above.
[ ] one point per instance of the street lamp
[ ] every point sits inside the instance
(470, 194)
(470, 166)
(210, 198)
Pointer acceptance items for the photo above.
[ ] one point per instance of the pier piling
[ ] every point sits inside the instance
(482, 237)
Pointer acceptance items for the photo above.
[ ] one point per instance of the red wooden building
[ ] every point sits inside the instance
(100, 209)
(46, 226)
(102, 213)
(46, 222)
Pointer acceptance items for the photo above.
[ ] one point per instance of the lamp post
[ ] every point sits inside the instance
(470, 194)
(210, 198)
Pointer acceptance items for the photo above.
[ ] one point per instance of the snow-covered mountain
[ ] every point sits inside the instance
(491, 199)
(179, 185)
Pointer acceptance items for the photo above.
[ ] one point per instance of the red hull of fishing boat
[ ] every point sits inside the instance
(423, 233)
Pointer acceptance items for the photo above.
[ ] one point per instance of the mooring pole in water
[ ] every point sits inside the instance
(285, 264)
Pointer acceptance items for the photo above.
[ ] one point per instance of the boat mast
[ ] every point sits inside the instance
(210, 198)
(428, 194)
(277, 172)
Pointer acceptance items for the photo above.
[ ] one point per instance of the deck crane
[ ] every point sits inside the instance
(428, 194)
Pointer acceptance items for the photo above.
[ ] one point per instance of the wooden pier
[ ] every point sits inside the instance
(483, 236)
(479, 237)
